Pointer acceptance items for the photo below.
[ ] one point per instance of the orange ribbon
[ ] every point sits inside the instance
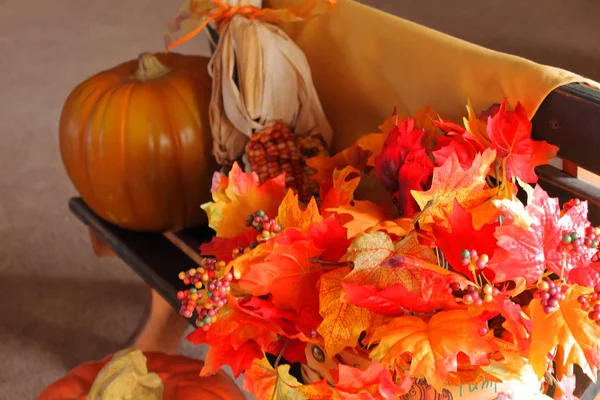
(220, 12)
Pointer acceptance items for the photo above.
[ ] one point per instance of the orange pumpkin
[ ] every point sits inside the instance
(136, 143)
(180, 377)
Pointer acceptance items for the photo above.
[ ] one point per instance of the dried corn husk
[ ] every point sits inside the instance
(260, 76)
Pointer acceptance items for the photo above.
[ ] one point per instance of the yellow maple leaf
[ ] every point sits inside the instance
(568, 327)
(342, 322)
(433, 345)
(450, 182)
(290, 215)
(369, 251)
(268, 383)
(239, 195)
(476, 127)
(398, 226)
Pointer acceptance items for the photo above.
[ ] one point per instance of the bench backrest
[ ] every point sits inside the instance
(570, 118)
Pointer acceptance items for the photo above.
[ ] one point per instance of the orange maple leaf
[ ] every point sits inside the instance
(369, 252)
(343, 322)
(568, 327)
(451, 182)
(339, 190)
(290, 214)
(434, 345)
(239, 195)
(287, 273)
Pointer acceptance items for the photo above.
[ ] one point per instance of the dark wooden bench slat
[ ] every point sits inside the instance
(570, 119)
(565, 187)
(152, 256)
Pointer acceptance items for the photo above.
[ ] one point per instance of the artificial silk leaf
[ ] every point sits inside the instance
(290, 323)
(450, 183)
(235, 339)
(290, 215)
(510, 136)
(586, 276)
(461, 235)
(419, 289)
(370, 251)
(568, 384)
(239, 195)
(343, 322)
(354, 156)
(340, 189)
(568, 327)
(363, 215)
(288, 273)
(528, 252)
(330, 236)
(222, 248)
(433, 345)
(267, 383)
(398, 227)
(375, 382)
(476, 127)
(516, 322)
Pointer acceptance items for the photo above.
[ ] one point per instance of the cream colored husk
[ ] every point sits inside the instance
(274, 84)
(126, 377)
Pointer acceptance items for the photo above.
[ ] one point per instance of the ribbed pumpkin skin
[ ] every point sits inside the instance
(139, 153)
(180, 376)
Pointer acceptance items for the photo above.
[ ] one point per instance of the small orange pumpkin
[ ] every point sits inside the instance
(180, 377)
(136, 143)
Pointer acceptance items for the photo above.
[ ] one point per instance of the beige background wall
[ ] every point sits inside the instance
(59, 305)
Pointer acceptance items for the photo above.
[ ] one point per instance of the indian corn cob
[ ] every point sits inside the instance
(275, 150)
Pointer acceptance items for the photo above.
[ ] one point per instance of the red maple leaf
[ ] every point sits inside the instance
(528, 252)
(462, 236)
(510, 136)
(402, 139)
(464, 147)
(222, 248)
(422, 290)
(235, 339)
(292, 324)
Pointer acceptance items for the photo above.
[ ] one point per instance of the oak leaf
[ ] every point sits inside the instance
(450, 183)
(433, 345)
(239, 195)
(291, 215)
(568, 327)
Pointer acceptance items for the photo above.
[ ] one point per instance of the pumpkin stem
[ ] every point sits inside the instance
(150, 68)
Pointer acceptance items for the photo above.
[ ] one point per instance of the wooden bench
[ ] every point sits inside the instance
(568, 118)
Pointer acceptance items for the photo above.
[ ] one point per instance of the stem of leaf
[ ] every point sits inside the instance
(429, 204)
(278, 359)
(331, 264)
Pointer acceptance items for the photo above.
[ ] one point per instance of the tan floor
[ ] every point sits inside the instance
(59, 305)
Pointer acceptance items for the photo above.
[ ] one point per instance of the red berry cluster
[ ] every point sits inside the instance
(478, 296)
(591, 303)
(204, 278)
(550, 295)
(470, 259)
(266, 226)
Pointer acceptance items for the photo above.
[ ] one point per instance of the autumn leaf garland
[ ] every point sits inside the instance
(450, 279)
